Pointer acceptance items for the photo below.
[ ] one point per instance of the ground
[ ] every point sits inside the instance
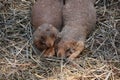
(19, 61)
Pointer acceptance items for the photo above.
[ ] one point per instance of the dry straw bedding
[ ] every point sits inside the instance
(99, 61)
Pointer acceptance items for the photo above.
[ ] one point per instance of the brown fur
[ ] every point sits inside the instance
(46, 20)
(79, 18)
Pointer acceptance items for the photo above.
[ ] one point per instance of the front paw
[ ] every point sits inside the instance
(78, 48)
(49, 52)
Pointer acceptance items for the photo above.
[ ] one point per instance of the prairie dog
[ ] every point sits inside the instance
(47, 21)
(79, 19)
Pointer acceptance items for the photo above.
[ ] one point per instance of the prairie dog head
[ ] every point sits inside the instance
(45, 36)
(70, 49)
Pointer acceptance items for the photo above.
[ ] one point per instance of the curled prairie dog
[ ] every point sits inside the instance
(79, 19)
(46, 20)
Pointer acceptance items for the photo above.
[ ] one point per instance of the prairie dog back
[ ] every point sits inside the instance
(47, 11)
(78, 13)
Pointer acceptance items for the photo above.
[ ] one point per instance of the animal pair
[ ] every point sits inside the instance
(79, 18)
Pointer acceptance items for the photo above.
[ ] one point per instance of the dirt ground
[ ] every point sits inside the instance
(19, 60)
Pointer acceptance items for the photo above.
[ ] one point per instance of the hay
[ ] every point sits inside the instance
(99, 61)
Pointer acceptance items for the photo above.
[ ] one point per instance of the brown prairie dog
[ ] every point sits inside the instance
(79, 19)
(46, 20)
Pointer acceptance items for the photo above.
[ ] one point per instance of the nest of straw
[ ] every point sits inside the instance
(99, 61)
